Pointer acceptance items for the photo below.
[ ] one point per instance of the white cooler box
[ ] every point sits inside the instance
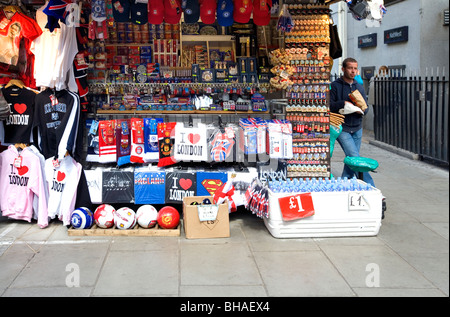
(336, 214)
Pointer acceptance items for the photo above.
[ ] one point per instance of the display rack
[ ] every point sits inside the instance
(211, 41)
(308, 92)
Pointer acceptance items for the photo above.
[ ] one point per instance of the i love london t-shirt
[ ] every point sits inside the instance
(19, 124)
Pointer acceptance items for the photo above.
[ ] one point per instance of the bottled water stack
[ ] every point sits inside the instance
(300, 185)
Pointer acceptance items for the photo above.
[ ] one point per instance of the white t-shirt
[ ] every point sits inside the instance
(190, 143)
(62, 184)
(54, 54)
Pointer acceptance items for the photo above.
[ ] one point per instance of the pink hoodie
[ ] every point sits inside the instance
(17, 186)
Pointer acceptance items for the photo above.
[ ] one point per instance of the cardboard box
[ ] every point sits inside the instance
(196, 229)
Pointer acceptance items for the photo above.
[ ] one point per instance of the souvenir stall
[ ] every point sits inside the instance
(127, 114)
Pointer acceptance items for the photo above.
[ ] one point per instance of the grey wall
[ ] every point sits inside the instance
(425, 52)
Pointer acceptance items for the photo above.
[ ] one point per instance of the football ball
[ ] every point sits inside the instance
(125, 218)
(146, 216)
(168, 218)
(82, 218)
(104, 216)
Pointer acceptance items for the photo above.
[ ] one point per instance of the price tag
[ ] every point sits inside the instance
(18, 162)
(356, 201)
(207, 212)
(55, 163)
(296, 206)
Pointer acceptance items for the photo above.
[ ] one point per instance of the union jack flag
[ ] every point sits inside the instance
(222, 145)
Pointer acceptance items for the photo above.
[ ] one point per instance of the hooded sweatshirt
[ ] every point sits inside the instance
(19, 183)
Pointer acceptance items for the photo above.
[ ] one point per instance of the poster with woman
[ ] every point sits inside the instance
(9, 43)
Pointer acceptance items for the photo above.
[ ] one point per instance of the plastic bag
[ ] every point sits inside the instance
(285, 22)
(334, 134)
(361, 164)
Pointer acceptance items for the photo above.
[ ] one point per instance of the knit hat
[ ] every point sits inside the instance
(225, 12)
(242, 10)
(172, 11)
(121, 10)
(261, 11)
(139, 12)
(208, 11)
(192, 11)
(155, 11)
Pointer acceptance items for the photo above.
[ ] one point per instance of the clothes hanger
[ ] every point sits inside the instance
(15, 82)
(10, 10)
(20, 145)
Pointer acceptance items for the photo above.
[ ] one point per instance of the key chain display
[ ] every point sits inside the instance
(302, 68)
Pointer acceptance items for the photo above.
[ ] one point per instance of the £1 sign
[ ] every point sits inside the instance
(296, 206)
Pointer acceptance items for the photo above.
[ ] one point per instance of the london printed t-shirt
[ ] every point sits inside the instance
(20, 179)
(62, 180)
(18, 125)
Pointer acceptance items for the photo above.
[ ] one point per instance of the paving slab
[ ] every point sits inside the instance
(139, 273)
(301, 273)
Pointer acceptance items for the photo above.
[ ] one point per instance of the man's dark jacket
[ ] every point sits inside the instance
(338, 95)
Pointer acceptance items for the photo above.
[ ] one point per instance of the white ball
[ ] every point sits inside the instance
(82, 218)
(125, 218)
(104, 216)
(146, 216)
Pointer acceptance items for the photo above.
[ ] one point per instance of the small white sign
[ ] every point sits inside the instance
(356, 201)
(207, 212)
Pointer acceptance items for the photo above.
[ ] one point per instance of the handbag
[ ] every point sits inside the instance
(335, 43)
(356, 97)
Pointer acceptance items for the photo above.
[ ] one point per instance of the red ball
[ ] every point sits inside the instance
(168, 217)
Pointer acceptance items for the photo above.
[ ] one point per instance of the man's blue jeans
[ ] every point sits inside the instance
(351, 143)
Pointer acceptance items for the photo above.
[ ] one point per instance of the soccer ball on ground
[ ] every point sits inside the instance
(104, 216)
(125, 218)
(168, 218)
(82, 218)
(146, 216)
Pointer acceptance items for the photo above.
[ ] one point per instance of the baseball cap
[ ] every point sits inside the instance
(261, 11)
(155, 11)
(121, 10)
(172, 11)
(225, 12)
(242, 10)
(139, 12)
(192, 11)
(208, 11)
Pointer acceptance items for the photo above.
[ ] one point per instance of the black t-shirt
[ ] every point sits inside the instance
(57, 116)
(19, 124)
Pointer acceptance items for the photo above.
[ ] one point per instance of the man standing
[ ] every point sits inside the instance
(350, 138)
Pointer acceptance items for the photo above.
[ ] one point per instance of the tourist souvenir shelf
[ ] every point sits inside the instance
(145, 62)
(308, 91)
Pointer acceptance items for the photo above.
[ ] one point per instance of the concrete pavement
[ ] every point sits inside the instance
(409, 256)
